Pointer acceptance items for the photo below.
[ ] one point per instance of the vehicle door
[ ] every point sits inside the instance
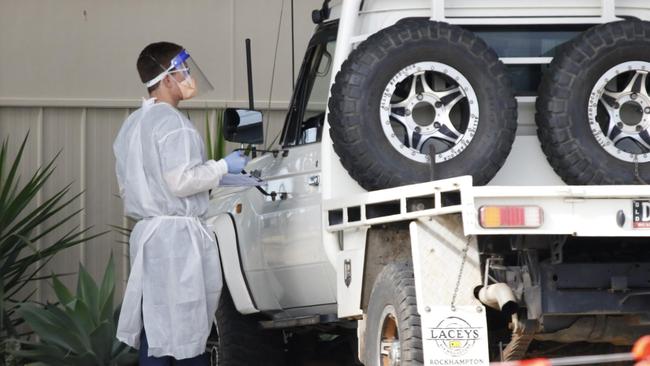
(291, 223)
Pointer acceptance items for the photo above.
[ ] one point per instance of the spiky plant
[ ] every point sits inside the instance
(80, 328)
(24, 222)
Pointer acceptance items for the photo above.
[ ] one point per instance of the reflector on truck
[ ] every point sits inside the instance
(511, 216)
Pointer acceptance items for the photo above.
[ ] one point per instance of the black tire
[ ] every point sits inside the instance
(357, 133)
(563, 120)
(241, 342)
(394, 289)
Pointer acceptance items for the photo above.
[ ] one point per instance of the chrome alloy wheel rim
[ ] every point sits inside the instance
(619, 111)
(429, 103)
(389, 346)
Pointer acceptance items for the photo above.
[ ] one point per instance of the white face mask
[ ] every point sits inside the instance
(187, 87)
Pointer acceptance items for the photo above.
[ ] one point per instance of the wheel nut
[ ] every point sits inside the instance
(633, 96)
(436, 124)
(407, 112)
(639, 128)
(647, 110)
(420, 97)
(619, 125)
(616, 106)
(417, 129)
(438, 105)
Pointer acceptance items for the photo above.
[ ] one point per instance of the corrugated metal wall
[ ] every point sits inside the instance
(69, 79)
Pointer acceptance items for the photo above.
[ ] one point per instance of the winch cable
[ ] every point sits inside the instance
(275, 57)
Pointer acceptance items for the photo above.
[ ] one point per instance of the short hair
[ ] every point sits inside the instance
(154, 59)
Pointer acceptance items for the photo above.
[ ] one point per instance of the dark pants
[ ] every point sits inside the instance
(201, 360)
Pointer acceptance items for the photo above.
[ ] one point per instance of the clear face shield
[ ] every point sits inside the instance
(194, 80)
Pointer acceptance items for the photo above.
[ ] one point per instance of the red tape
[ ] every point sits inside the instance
(535, 362)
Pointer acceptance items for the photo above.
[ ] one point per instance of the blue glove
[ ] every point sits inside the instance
(236, 161)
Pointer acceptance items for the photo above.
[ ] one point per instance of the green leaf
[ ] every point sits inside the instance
(85, 319)
(101, 340)
(220, 139)
(49, 354)
(52, 327)
(106, 291)
(126, 357)
(62, 293)
(121, 230)
(2, 303)
(208, 137)
(88, 292)
(7, 184)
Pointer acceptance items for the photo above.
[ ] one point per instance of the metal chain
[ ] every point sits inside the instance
(636, 170)
(460, 273)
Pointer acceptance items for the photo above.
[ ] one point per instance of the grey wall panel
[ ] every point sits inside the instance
(85, 50)
(15, 123)
(103, 205)
(61, 134)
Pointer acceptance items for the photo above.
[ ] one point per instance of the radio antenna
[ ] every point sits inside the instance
(249, 72)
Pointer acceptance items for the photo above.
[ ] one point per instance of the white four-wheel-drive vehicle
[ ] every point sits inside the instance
(458, 181)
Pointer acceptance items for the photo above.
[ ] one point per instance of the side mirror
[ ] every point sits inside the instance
(243, 126)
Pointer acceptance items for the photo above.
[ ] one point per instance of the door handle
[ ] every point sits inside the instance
(314, 180)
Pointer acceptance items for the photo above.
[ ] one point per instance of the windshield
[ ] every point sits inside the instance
(304, 122)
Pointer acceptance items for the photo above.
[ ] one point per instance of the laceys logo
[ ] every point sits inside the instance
(455, 336)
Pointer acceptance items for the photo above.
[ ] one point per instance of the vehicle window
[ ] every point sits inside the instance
(304, 124)
(527, 42)
(314, 116)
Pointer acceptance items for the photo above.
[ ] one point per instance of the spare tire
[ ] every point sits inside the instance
(419, 85)
(593, 108)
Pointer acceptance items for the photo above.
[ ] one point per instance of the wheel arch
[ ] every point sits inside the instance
(371, 249)
(225, 232)
(384, 245)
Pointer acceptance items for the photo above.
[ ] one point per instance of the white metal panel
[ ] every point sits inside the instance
(291, 233)
(634, 8)
(447, 268)
(493, 9)
(526, 164)
(350, 262)
(570, 210)
(224, 229)
(435, 189)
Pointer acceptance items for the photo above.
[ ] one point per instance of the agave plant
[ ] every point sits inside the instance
(21, 260)
(79, 329)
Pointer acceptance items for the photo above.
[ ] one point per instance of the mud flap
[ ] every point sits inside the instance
(349, 271)
(454, 324)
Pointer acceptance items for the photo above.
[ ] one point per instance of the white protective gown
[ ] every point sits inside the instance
(175, 279)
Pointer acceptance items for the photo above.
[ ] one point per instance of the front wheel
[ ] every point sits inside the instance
(393, 330)
(239, 340)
